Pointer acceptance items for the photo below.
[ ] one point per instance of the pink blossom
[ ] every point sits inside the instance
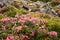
(10, 38)
(42, 28)
(52, 33)
(22, 16)
(7, 38)
(16, 15)
(3, 27)
(15, 24)
(19, 27)
(16, 31)
(21, 21)
(32, 34)
(5, 19)
(31, 19)
(43, 21)
(28, 19)
(25, 37)
(28, 14)
(34, 19)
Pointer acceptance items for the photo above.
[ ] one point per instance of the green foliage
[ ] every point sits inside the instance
(21, 12)
(11, 11)
(54, 24)
(2, 34)
(2, 16)
(54, 3)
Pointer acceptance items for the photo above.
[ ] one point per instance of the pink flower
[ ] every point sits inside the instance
(7, 38)
(16, 31)
(28, 19)
(22, 16)
(5, 19)
(53, 33)
(16, 15)
(28, 14)
(25, 37)
(10, 38)
(31, 19)
(43, 21)
(21, 21)
(15, 24)
(34, 19)
(3, 27)
(42, 27)
(19, 27)
(32, 34)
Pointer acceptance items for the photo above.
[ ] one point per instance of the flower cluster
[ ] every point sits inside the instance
(25, 27)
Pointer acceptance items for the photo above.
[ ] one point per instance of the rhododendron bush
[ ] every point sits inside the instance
(29, 26)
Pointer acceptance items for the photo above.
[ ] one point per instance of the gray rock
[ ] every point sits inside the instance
(1, 4)
(10, 1)
(34, 10)
(46, 9)
(1, 0)
(58, 6)
(24, 2)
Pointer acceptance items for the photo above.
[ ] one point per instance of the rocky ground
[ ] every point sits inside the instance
(33, 6)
